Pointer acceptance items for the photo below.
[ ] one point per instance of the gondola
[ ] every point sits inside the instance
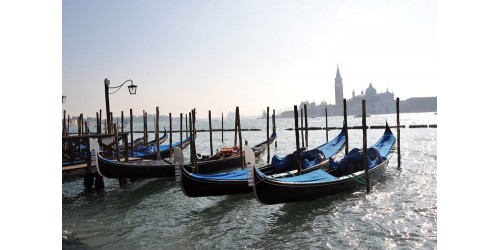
(139, 168)
(143, 168)
(236, 182)
(161, 140)
(138, 142)
(339, 177)
(229, 157)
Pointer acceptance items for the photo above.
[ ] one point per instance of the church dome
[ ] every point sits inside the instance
(370, 91)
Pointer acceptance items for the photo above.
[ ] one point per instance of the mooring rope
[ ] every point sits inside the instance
(360, 180)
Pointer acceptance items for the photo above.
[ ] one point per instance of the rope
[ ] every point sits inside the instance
(360, 180)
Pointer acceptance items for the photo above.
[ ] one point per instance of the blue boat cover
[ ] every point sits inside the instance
(314, 176)
(237, 175)
(144, 151)
(353, 161)
(311, 157)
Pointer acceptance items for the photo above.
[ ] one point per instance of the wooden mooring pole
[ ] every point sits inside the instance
(180, 134)
(302, 125)
(64, 124)
(346, 130)
(68, 125)
(307, 127)
(238, 123)
(194, 141)
(131, 133)
(157, 133)
(100, 121)
(122, 122)
(171, 150)
(88, 178)
(235, 131)
(274, 128)
(222, 126)
(191, 149)
(187, 126)
(98, 129)
(326, 121)
(268, 146)
(398, 134)
(296, 116)
(145, 126)
(365, 149)
(210, 129)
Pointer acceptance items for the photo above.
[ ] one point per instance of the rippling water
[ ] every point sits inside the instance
(399, 213)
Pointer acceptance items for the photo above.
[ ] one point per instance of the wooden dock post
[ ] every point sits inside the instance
(157, 134)
(346, 130)
(307, 127)
(398, 134)
(222, 127)
(210, 129)
(131, 133)
(268, 146)
(365, 149)
(296, 116)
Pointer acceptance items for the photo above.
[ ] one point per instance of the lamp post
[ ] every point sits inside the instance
(132, 89)
(63, 99)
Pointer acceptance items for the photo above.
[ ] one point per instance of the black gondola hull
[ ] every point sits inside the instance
(269, 191)
(145, 169)
(198, 188)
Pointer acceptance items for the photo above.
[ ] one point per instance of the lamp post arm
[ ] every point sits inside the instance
(118, 87)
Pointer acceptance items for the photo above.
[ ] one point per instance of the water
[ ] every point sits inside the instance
(399, 213)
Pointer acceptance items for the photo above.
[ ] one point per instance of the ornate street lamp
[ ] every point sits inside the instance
(132, 89)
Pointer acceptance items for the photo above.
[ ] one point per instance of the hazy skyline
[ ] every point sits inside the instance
(216, 55)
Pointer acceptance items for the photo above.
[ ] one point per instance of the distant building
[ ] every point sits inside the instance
(376, 103)
(418, 104)
(339, 88)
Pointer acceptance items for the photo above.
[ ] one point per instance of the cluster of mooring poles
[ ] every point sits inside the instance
(110, 141)
(364, 127)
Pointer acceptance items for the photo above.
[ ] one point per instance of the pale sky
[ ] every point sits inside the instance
(216, 55)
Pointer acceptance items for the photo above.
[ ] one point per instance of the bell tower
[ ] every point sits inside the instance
(339, 88)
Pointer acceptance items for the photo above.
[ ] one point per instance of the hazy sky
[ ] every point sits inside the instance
(216, 55)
